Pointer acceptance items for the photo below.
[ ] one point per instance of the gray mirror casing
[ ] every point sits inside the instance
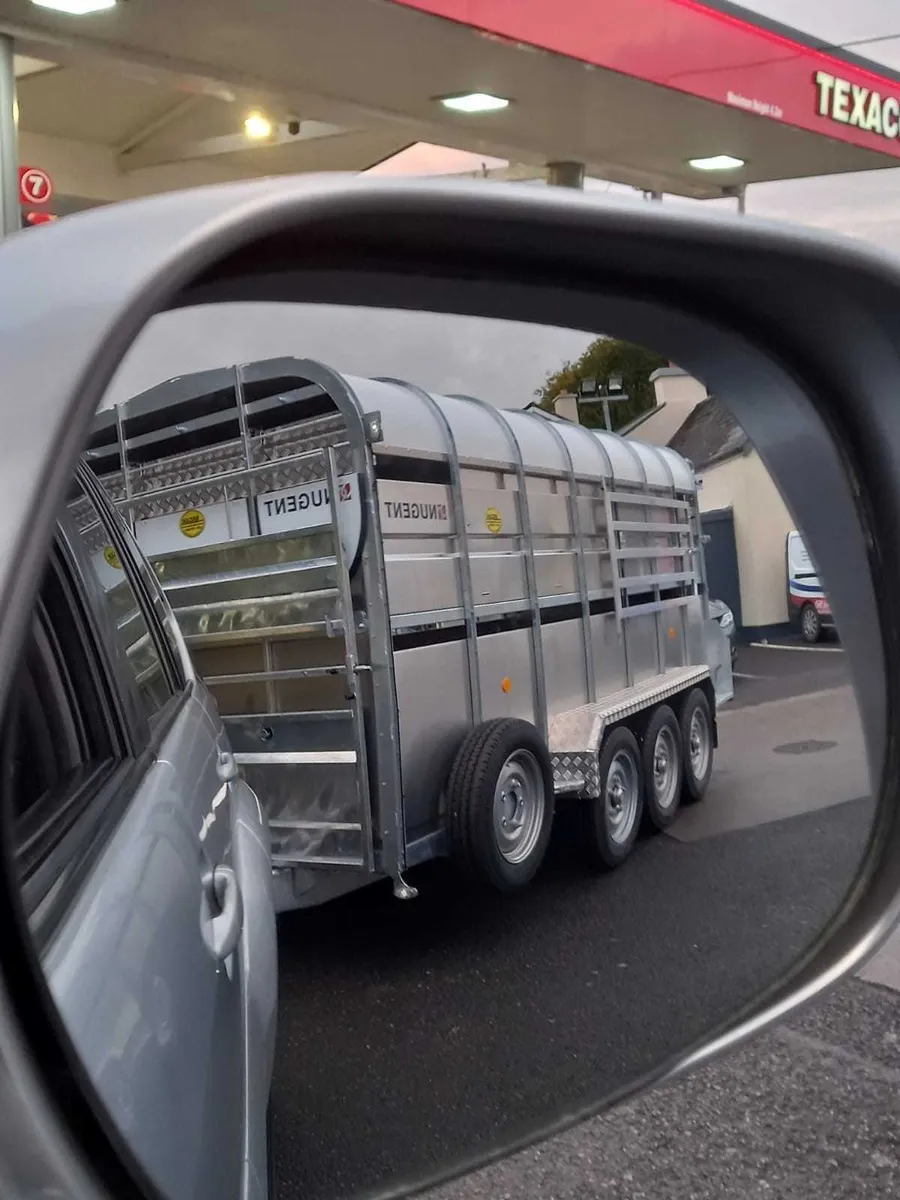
(805, 352)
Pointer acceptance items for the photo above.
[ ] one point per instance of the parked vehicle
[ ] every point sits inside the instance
(808, 606)
(110, 735)
(719, 611)
(512, 612)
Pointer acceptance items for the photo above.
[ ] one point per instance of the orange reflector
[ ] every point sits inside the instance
(506, 684)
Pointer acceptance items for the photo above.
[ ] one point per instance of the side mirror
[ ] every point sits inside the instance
(315, 641)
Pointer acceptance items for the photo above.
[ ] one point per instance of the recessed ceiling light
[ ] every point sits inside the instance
(76, 8)
(257, 126)
(475, 102)
(718, 162)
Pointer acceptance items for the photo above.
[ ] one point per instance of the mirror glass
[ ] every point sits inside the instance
(556, 741)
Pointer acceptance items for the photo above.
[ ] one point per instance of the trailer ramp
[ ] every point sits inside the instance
(310, 762)
(575, 737)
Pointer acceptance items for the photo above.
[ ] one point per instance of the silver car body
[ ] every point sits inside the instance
(172, 1014)
(721, 613)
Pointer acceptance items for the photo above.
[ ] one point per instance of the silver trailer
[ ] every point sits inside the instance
(424, 619)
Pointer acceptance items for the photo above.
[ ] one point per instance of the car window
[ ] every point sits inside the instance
(73, 741)
(164, 618)
(63, 742)
(153, 668)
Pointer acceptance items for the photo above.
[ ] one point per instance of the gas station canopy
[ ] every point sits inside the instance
(153, 94)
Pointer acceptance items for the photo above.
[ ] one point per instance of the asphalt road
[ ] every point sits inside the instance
(766, 674)
(409, 1033)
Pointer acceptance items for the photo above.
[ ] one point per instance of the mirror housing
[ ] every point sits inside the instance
(804, 351)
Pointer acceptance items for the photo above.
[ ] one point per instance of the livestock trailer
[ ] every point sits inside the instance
(425, 619)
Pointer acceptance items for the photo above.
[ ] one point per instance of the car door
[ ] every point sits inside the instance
(132, 885)
(252, 864)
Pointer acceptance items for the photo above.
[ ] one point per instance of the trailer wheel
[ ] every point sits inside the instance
(610, 823)
(500, 802)
(663, 767)
(697, 739)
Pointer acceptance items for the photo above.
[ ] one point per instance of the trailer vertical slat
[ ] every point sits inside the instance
(537, 648)
(575, 523)
(462, 544)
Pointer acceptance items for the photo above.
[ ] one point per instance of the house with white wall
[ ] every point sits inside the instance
(744, 515)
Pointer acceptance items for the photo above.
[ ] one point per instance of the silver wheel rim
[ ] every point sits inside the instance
(665, 769)
(621, 796)
(519, 805)
(699, 743)
(810, 622)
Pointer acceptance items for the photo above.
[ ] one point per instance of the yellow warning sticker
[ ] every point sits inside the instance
(192, 523)
(112, 557)
(493, 520)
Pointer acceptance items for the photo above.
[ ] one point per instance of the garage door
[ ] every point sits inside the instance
(720, 549)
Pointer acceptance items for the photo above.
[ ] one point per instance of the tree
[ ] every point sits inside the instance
(603, 358)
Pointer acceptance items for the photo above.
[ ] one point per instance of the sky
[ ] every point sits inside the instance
(498, 361)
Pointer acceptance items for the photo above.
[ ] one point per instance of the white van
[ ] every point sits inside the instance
(808, 606)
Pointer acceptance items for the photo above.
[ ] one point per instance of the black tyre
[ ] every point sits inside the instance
(661, 759)
(697, 746)
(610, 823)
(810, 624)
(500, 803)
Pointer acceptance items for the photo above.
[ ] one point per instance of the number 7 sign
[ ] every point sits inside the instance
(35, 186)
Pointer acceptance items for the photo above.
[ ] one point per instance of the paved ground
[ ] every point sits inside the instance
(808, 1112)
(781, 758)
(409, 1031)
(796, 670)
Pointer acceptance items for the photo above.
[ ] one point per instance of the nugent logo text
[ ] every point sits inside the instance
(412, 510)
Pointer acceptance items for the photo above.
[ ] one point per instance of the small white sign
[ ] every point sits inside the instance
(109, 569)
(208, 525)
(307, 505)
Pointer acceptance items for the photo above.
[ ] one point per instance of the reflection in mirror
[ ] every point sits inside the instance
(536, 681)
